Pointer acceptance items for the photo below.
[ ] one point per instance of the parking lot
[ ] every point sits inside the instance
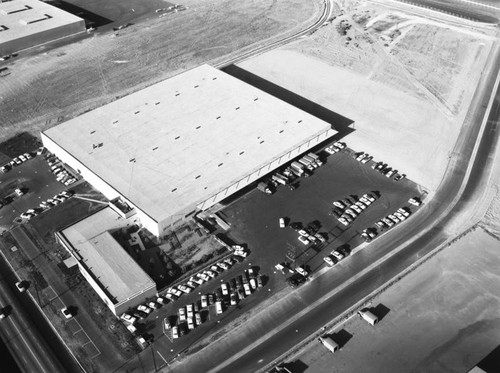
(254, 220)
(36, 181)
(255, 217)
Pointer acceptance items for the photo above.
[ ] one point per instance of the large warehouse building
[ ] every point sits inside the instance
(184, 144)
(27, 23)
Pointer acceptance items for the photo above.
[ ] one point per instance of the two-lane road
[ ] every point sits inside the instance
(21, 336)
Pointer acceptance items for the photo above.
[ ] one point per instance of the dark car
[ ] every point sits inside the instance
(211, 299)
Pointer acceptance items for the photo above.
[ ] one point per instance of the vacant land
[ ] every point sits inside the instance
(405, 80)
(47, 88)
(449, 323)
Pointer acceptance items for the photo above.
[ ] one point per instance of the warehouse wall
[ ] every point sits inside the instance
(42, 37)
(273, 165)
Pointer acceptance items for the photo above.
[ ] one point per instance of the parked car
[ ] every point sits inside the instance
(144, 309)
(182, 314)
(328, 260)
(66, 313)
(301, 271)
(282, 222)
(128, 318)
(304, 240)
(224, 288)
(414, 201)
(190, 323)
(20, 285)
(337, 255)
(204, 301)
(197, 317)
(175, 332)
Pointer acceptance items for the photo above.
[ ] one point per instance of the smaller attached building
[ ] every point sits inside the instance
(115, 276)
(27, 23)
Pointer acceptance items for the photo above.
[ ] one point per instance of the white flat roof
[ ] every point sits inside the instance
(110, 264)
(21, 18)
(178, 142)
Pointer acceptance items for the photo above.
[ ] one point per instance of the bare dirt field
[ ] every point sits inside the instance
(57, 84)
(406, 81)
(443, 317)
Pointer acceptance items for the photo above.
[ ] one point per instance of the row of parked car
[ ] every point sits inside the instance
(335, 148)
(46, 205)
(175, 292)
(349, 208)
(59, 170)
(20, 159)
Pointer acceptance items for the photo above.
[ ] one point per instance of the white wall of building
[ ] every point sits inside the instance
(276, 163)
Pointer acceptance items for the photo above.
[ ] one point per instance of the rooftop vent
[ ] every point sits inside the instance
(218, 117)
(197, 177)
(261, 142)
(196, 86)
(241, 153)
(177, 138)
(300, 121)
(115, 122)
(238, 108)
(132, 160)
(198, 127)
(256, 98)
(220, 164)
(92, 132)
(137, 112)
(155, 148)
(177, 94)
(157, 103)
(282, 131)
(173, 190)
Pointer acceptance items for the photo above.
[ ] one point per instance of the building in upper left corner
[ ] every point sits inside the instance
(28, 23)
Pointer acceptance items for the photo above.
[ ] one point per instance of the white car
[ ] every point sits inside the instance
(337, 255)
(361, 205)
(20, 286)
(339, 204)
(393, 218)
(403, 212)
(167, 324)
(304, 240)
(189, 310)
(301, 271)
(184, 288)
(225, 290)
(175, 332)
(248, 291)
(355, 208)
(329, 261)
(339, 145)
(67, 314)
(388, 222)
(22, 158)
(282, 222)
(204, 276)
(303, 232)
(369, 197)
(210, 273)
(144, 309)
(241, 252)
(343, 220)
(128, 318)
(253, 283)
(182, 314)
(171, 297)
(399, 216)
(153, 305)
(414, 201)
(332, 149)
(204, 301)
(223, 265)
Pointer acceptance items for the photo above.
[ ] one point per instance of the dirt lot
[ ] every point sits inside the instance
(46, 88)
(406, 81)
(449, 323)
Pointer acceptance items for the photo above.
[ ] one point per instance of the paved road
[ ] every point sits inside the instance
(21, 334)
(425, 231)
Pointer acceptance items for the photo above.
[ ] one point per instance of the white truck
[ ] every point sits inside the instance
(329, 343)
